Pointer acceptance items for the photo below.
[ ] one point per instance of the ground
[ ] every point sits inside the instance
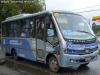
(7, 70)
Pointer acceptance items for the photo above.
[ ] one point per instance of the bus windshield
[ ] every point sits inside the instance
(74, 26)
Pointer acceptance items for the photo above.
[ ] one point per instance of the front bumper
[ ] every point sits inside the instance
(76, 60)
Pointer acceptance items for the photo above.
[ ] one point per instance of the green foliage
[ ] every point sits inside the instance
(14, 8)
(98, 33)
(99, 51)
(32, 7)
(98, 41)
(93, 24)
(96, 29)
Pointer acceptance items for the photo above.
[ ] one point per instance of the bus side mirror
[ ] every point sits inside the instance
(47, 19)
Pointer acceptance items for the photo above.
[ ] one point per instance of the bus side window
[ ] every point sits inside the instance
(11, 34)
(16, 28)
(31, 32)
(23, 34)
(40, 30)
(3, 30)
(31, 28)
(52, 33)
(7, 29)
(25, 28)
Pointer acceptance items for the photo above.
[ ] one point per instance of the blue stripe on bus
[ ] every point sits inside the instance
(4, 48)
(28, 54)
(21, 46)
(21, 43)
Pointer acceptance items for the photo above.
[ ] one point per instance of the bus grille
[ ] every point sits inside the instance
(87, 51)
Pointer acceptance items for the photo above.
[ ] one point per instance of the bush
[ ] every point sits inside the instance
(99, 51)
(98, 33)
(98, 41)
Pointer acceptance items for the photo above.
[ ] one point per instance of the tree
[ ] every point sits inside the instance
(8, 10)
(93, 24)
(14, 7)
(33, 7)
(94, 27)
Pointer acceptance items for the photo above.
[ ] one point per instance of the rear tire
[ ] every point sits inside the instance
(15, 55)
(53, 64)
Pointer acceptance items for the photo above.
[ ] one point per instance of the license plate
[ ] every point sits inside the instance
(88, 58)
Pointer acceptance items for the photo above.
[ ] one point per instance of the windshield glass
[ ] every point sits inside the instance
(73, 26)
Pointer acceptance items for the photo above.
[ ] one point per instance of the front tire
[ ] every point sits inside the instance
(53, 64)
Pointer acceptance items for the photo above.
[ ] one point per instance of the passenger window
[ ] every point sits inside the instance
(31, 22)
(31, 32)
(16, 32)
(23, 34)
(11, 25)
(27, 28)
(9, 29)
(3, 30)
(16, 29)
(26, 23)
(52, 34)
(32, 29)
(16, 25)
(11, 33)
(40, 28)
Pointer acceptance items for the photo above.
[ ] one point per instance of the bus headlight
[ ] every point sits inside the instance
(70, 51)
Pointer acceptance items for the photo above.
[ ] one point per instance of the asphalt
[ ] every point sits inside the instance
(7, 70)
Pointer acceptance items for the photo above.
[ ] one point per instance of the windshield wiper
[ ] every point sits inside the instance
(86, 32)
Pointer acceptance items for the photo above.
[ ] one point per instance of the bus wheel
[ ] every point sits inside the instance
(53, 64)
(15, 55)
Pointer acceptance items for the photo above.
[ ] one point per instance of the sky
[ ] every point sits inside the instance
(72, 5)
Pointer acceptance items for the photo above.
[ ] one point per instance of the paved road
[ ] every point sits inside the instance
(24, 66)
(8, 70)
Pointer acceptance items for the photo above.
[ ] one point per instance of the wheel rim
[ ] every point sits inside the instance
(54, 64)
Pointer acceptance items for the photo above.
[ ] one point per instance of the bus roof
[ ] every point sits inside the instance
(21, 16)
(17, 16)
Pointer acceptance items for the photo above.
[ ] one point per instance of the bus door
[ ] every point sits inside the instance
(40, 39)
